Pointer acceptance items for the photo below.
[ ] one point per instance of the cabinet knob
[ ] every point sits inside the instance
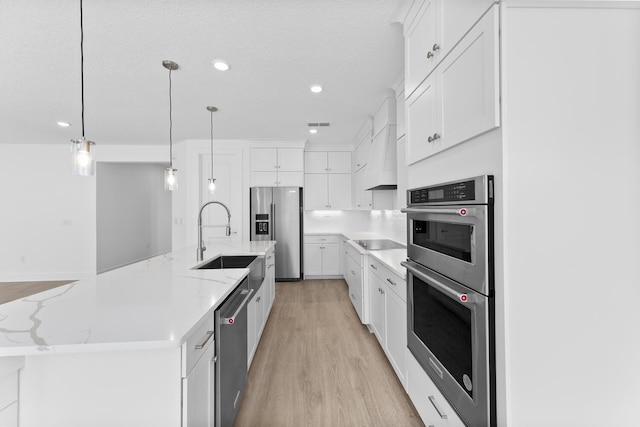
(433, 138)
(435, 47)
(429, 54)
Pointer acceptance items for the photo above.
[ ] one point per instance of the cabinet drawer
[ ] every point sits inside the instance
(392, 280)
(425, 396)
(197, 343)
(325, 238)
(354, 254)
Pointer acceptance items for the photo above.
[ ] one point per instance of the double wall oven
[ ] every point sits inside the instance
(450, 295)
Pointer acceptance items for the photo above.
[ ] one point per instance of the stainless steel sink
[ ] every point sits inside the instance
(228, 261)
(380, 244)
(255, 264)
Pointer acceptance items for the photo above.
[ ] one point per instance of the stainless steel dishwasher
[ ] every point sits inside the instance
(231, 349)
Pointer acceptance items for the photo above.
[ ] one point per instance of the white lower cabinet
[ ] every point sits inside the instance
(259, 307)
(322, 256)
(355, 278)
(433, 408)
(388, 315)
(198, 391)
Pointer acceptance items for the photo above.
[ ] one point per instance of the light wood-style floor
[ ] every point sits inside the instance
(10, 291)
(317, 365)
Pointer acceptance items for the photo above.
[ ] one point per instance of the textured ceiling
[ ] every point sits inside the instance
(276, 49)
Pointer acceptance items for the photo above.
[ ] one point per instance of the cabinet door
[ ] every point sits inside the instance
(330, 259)
(291, 159)
(339, 190)
(260, 313)
(339, 162)
(264, 159)
(396, 332)
(315, 191)
(252, 333)
(456, 17)
(315, 162)
(469, 84)
(290, 179)
(312, 259)
(361, 153)
(264, 179)
(419, 41)
(422, 122)
(362, 198)
(198, 403)
(377, 296)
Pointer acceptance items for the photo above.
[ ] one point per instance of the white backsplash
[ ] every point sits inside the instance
(391, 224)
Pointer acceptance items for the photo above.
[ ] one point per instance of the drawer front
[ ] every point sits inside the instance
(392, 280)
(197, 343)
(354, 254)
(325, 238)
(433, 408)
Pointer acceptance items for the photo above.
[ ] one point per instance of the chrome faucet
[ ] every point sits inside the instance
(201, 247)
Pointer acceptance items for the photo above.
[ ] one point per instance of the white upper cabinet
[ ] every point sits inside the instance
(277, 167)
(327, 180)
(437, 26)
(460, 99)
(327, 162)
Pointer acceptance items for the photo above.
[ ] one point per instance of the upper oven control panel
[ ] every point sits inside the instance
(477, 190)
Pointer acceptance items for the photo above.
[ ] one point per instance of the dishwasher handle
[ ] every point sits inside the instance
(231, 320)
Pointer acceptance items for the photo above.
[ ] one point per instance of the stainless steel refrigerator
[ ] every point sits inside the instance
(276, 214)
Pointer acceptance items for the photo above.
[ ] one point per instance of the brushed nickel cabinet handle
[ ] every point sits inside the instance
(206, 340)
(435, 47)
(429, 54)
(432, 399)
(391, 281)
(373, 266)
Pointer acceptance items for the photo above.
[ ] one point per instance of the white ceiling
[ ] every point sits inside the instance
(276, 49)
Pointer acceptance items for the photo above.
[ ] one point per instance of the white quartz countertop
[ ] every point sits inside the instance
(146, 305)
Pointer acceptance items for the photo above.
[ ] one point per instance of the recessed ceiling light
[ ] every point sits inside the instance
(313, 130)
(220, 65)
(63, 124)
(316, 88)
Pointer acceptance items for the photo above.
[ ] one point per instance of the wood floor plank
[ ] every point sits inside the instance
(317, 365)
(10, 291)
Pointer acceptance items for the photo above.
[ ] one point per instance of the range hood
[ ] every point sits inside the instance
(381, 172)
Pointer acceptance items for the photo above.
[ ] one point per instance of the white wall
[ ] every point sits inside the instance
(133, 213)
(387, 223)
(48, 216)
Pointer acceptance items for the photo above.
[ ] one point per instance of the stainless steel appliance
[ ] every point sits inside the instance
(450, 295)
(231, 351)
(276, 214)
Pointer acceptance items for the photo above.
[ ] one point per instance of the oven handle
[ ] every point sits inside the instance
(448, 211)
(417, 270)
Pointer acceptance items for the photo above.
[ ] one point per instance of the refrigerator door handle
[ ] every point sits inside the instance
(273, 221)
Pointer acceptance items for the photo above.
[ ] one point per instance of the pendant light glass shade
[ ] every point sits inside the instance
(83, 161)
(83, 157)
(170, 174)
(212, 185)
(170, 179)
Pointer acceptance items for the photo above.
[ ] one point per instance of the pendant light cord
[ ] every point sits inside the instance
(82, 66)
(170, 126)
(211, 144)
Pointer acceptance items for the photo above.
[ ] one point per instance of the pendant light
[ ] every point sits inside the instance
(82, 150)
(212, 180)
(170, 174)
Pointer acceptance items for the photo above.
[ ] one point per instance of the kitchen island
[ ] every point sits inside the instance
(109, 350)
